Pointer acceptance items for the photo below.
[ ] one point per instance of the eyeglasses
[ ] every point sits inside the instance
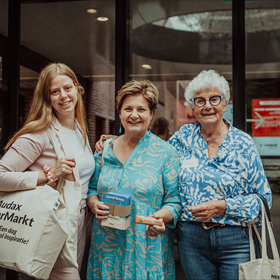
(214, 100)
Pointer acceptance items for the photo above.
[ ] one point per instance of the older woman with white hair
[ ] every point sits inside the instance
(220, 174)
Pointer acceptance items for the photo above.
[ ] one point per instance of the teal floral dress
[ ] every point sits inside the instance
(150, 174)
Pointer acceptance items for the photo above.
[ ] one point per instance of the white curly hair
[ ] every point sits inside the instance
(207, 79)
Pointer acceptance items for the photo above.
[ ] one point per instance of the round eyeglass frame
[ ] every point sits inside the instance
(209, 99)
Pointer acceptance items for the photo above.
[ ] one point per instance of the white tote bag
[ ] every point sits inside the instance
(33, 229)
(264, 268)
(37, 229)
(71, 194)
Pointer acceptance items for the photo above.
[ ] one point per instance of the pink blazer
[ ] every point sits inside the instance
(28, 154)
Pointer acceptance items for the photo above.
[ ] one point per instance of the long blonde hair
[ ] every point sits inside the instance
(40, 114)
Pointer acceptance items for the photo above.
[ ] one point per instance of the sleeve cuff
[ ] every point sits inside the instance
(174, 214)
(91, 193)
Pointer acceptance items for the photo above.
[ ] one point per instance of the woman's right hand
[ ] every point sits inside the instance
(100, 210)
(99, 143)
(63, 166)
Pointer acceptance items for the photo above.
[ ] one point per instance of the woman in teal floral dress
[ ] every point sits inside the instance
(142, 164)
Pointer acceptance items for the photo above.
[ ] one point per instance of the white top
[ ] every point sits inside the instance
(84, 160)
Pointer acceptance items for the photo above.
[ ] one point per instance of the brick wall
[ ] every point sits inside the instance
(101, 103)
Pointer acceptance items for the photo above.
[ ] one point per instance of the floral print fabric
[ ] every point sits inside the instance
(234, 175)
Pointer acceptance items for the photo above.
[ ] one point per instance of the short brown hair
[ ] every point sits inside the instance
(145, 87)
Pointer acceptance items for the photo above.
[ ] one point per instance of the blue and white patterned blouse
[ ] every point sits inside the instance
(234, 175)
(150, 174)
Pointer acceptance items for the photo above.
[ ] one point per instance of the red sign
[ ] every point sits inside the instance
(265, 117)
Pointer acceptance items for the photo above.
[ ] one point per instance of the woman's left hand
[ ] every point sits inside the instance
(155, 230)
(208, 210)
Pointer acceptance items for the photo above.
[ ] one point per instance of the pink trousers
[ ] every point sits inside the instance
(70, 273)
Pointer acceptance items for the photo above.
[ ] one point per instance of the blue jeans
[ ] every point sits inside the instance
(212, 254)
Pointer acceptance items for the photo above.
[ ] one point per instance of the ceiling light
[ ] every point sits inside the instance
(147, 66)
(91, 11)
(102, 18)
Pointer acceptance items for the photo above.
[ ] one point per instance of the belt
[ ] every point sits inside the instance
(208, 225)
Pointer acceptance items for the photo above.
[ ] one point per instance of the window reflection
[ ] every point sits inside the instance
(220, 21)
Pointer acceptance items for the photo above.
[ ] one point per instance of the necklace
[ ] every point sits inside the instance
(210, 142)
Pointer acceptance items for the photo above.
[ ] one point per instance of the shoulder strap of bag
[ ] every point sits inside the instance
(263, 199)
(256, 236)
(54, 143)
(265, 224)
(106, 146)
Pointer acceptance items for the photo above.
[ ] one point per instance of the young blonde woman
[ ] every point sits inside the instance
(30, 159)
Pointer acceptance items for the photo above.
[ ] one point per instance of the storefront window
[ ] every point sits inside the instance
(170, 42)
(262, 27)
(262, 23)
